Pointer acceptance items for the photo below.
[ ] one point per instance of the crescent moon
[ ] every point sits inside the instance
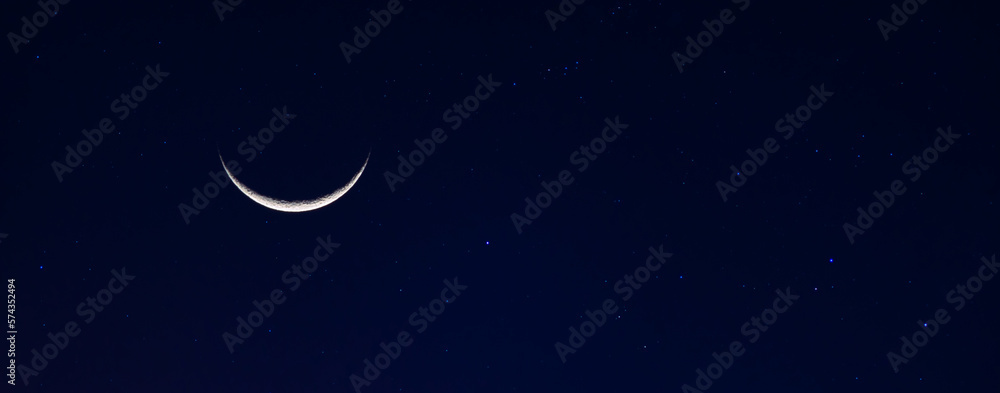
(295, 206)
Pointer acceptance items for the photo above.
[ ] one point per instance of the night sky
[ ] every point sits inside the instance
(602, 196)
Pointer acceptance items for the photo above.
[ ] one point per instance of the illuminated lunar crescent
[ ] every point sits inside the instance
(295, 206)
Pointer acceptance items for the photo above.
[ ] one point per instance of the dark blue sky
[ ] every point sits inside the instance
(524, 183)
